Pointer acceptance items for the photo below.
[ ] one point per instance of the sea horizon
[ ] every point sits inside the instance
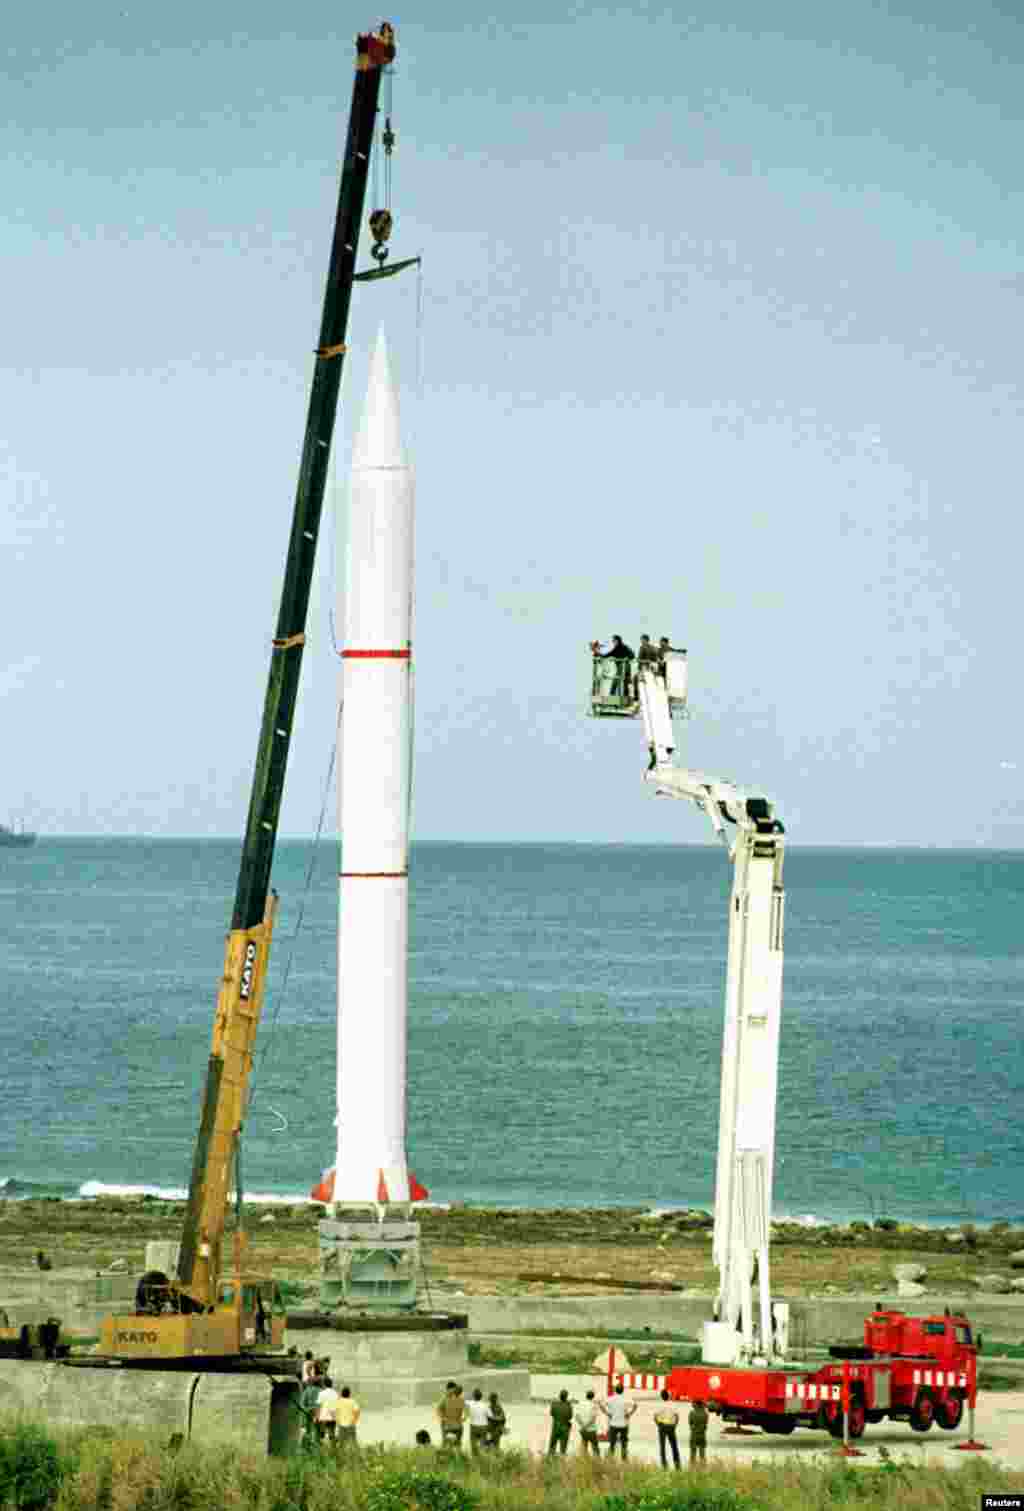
(566, 1004)
(612, 844)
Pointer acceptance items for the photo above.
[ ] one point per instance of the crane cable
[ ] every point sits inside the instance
(315, 842)
(381, 220)
(310, 869)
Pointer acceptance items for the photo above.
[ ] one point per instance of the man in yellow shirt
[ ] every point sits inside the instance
(346, 1414)
(451, 1413)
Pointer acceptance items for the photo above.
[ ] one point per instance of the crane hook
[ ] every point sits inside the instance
(380, 229)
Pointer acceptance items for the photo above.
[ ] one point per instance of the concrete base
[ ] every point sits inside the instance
(406, 1369)
(248, 1412)
(815, 1321)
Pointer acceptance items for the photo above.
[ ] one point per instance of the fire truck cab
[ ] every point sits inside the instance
(947, 1337)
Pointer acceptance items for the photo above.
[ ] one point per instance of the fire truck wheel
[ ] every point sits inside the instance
(948, 1413)
(923, 1414)
(832, 1418)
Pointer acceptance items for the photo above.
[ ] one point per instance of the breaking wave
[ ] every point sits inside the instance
(13, 1188)
(93, 1188)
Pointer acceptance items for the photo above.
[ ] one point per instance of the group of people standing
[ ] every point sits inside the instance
(331, 1415)
(487, 1420)
(624, 655)
(618, 1411)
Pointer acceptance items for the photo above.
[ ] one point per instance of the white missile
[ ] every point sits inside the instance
(373, 810)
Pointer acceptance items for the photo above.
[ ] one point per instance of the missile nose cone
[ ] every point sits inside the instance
(379, 440)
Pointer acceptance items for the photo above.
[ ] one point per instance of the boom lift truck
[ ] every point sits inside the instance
(914, 1369)
(656, 692)
(204, 1317)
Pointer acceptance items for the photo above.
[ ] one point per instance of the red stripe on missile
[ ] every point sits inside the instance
(378, 655)
(378, 875)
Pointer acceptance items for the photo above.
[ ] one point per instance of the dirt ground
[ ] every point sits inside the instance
(487, 1251)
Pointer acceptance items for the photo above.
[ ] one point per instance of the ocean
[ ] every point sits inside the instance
(565, 1024)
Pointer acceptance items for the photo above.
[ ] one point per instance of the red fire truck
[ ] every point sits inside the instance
(913, 1369)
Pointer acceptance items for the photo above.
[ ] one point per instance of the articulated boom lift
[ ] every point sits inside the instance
(753, 1003)
(917, 1370)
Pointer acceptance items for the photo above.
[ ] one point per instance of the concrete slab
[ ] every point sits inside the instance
(814, 1321)
(999, 1422)
(218, 1408)
(406, 1369)
(404, 1355)
(80, 1300)
(206, 1408)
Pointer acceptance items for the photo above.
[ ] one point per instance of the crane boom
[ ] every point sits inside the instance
(245, 961)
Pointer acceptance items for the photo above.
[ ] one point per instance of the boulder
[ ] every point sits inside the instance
(268, 1217)
(1017, 1259)
(996, 1285)
(956, 1237)
(908, 1272)
(695, 1219)
(908, 1288)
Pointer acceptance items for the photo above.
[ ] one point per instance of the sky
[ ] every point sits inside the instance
(717, 335)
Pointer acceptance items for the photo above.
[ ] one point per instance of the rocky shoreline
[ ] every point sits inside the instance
(492, 1250)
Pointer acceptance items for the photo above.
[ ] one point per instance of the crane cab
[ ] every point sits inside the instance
(247, 1317)
(254, 1302)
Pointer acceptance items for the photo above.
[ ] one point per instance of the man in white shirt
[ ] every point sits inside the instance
(618, 1411)
(479, 1422)
(586, 1421)
(325, 1404)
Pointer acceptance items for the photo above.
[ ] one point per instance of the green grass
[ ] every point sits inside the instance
(96, 1470)
(990, 1348)
(619, 1335)
(997, 1382)
(573, 1361)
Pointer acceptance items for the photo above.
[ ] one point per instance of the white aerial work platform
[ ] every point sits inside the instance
(656, 692)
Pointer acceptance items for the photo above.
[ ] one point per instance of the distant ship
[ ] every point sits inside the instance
(15, 838)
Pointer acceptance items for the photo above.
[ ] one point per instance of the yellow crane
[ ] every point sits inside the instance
(206, 1315)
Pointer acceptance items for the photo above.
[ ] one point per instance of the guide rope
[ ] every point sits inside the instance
(310, 869)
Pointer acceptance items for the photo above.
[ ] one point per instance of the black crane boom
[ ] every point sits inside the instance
(240, 997)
